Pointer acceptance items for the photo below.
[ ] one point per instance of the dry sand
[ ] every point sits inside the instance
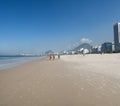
(91, 80)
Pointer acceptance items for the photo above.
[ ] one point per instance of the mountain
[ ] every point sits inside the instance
(49, 52)
(84, 46)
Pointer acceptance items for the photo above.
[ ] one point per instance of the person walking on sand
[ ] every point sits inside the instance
(50, 57)
(58, 56)
(53, 57)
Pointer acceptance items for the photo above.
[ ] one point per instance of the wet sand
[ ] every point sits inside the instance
(91, 80)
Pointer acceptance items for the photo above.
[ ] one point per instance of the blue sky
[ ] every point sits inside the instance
(34, 26)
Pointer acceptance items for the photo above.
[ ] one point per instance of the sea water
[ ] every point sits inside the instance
(13, 61)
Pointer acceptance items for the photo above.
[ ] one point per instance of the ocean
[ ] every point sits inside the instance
(7, 62)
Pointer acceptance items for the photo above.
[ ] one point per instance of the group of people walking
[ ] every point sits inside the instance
(52, 57)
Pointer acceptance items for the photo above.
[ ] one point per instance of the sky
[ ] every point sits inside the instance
(35, 26)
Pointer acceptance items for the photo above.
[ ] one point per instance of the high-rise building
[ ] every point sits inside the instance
(116, 28)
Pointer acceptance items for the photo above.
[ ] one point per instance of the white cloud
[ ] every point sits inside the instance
(85, 40)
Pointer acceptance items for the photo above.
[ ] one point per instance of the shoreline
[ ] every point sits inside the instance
(91, 80)
(16, 62)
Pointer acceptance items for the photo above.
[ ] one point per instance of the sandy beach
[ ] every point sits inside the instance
(74, 80)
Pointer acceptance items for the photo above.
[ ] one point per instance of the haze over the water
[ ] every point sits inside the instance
(33, 26)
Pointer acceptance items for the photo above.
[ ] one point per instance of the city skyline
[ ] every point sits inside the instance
(37, 26)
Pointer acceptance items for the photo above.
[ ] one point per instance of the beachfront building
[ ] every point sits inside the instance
(107, 47)
(96, 49)
(113, 47)
(116, 28)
